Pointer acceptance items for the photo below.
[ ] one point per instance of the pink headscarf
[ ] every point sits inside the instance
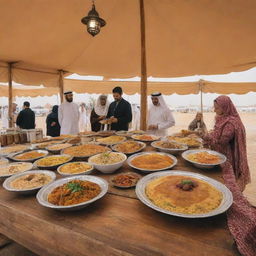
(230, 115)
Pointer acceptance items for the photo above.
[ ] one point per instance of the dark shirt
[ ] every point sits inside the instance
(123, 112)
(53, 130)
(94, 119)
(26, 119)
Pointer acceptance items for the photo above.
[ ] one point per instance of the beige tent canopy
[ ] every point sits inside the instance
(182, 38)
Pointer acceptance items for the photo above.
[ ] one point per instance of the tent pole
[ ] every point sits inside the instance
(61, 85)
(143, 85)
(10, 112)
(200, 84)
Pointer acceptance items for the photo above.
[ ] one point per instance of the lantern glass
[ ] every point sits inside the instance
(93, 27)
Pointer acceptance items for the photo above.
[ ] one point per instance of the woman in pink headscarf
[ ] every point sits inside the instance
(229, 138)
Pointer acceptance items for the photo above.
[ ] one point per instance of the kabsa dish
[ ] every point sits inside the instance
(183, 194)
(74, 192)
(204, 158)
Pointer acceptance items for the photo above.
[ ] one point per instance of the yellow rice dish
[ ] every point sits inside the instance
(204, 158)
(111, 139)
(191, 142)
(75, 168)
(59, 146)
(12, 149)
(152, 161)
(168, 193)
(85, 150)
(53, 160)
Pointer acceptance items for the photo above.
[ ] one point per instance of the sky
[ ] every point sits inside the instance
(173, 100)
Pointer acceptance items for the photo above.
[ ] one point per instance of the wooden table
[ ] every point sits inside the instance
(114, 225)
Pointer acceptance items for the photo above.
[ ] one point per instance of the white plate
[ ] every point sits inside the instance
(42, 195)
(170, 150)
(29, 167)
(109, 143)
(89, 171)
(52, 167)
(200, 165)
(226, 202)
(28, 160)
(151, 152)
(3, 153)
(143, 145)
(7, 182)
(154, 138)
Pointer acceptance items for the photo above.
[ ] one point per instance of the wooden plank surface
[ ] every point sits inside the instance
(114, 225)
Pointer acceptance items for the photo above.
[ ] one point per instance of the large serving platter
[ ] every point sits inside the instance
(82, 156)
(28, 165)
(173, 151)
(142, 144)
(52, 167)
(5, 151)
(226, 193)
(8, 181)
(12, 156)
(201, 165)
(42, 195)
(140, 138)
(129, 160)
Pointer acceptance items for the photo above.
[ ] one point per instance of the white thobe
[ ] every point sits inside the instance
(68, 115)
(163, 118)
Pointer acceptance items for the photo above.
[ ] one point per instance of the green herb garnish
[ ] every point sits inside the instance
(74, 187)
(184, 182)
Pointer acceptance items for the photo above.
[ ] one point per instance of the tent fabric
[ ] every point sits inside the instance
(182, 38)
(81, 86)
(228, 88)
(131, 87)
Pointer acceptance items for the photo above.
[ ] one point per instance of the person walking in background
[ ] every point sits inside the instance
(83, 119)
(68, 115)
(99, 112)
(52, 123)
(26, 117)
(160, 117)
(119, 112)
(198, 124)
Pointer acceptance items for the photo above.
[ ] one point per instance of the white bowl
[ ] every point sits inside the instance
(200, 165)
(107, 168)
(73, 174)
(149, 170)
(42, 195)
(7, 182)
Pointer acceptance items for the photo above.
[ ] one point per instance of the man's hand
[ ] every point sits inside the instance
(114, 120)
(102, 117)
(53, 123)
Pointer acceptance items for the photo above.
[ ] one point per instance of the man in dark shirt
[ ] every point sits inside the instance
(26, 117)
(119, 112)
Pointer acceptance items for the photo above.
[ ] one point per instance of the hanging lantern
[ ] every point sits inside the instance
(93, 21)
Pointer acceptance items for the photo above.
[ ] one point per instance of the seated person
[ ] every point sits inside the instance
(198, 124)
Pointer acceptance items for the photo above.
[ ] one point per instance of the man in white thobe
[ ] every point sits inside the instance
(160, 117)
(68, 115)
